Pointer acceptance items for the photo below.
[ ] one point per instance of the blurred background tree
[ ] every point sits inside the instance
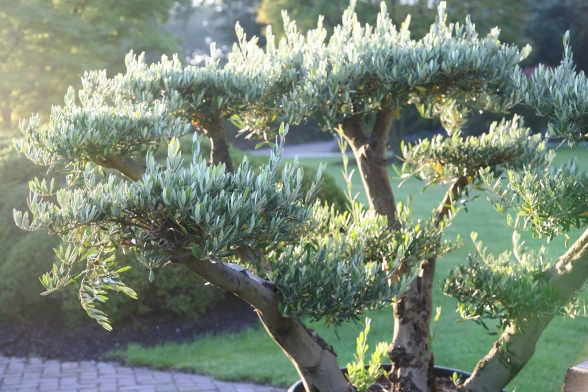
(46, 45)
(511, 16)
(548, 21)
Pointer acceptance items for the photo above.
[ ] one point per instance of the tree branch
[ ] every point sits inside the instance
(370, 154)
(450, 197)
(517, 344)
(125, 165)
(315, 361)
(216, 132)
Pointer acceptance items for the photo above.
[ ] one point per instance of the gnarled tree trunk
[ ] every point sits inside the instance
(409, 352)
(410, 355)
(412, 360)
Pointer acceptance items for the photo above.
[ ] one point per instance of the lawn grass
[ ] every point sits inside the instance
(251, 355)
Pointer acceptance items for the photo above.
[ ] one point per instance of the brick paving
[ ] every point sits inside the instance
(36, 375)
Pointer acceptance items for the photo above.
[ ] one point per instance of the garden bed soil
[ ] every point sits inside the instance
(51, 339)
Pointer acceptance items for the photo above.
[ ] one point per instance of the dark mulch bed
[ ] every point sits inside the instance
(51, 339)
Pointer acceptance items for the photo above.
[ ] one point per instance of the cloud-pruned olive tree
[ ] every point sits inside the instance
(255, 234)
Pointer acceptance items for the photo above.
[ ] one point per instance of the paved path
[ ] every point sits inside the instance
(36, 375)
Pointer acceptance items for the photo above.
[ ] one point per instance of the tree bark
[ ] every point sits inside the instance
(410, 354)
(516, 346)
(396, 138)
(216, 132)
(314, 360)
(370, 154)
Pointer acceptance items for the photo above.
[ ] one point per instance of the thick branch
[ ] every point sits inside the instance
(451, 196)
(517, 344)
(370, 154)
(125, 165)
(216, 132)
(381, 130)
(314, 359)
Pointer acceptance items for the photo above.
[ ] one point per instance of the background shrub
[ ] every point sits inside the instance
(173, 292)
(26, 256)
(26, 259)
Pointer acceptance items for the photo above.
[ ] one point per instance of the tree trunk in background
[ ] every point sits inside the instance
(7, 116)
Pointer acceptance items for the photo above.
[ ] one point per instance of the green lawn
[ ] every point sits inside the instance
(251, 355)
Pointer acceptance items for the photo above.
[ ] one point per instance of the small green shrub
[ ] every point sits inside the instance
(27, 258)
(359, 376)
